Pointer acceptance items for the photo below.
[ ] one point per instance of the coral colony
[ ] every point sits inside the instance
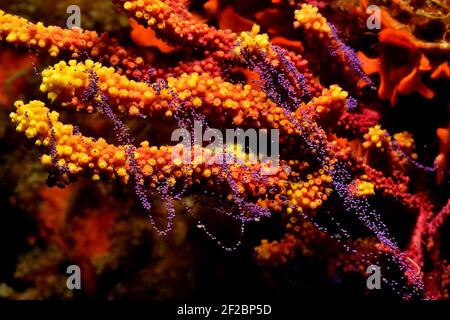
(323, 162)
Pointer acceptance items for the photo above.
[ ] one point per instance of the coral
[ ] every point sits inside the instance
(423, 41)
(94, 15)
(106, 104)
(73, 154)
(403, 79)
(406, 76)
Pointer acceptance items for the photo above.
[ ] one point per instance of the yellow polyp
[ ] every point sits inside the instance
(67, 150)
(84, 159)
(54, 51)
(217, 102)
(119, 156)
(52, 96)
(253, 40)
(46, 160)
(197, 102)
(102, 164)
(123, 93)
(42, 127)
(145, 144)
(177, 162)
(149, 95)
(404, 139)
(77, 83)
(30, 133)
(43, 87)
(89, 63)
(72, 168)
(365, 188)
(113, 92)
(309, 18)
(207, 173)
(11, 37)
(128, 5)
(23, 37)
(133, 111)
(121, 172)
(313, 205)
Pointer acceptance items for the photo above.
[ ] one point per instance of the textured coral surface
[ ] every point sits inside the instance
(90, 176)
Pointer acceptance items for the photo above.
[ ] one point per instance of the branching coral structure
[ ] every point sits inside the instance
(340, 168)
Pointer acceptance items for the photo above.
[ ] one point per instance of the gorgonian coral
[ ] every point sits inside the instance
(338, 167)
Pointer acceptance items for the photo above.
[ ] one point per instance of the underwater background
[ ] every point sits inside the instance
(358, 90)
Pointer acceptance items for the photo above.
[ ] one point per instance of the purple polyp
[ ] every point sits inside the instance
(64, 169)
(341, 178)
(124, 138)
(352, 104)
(300, 78)
(399, 150)
(351, 56)
(185, 116)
